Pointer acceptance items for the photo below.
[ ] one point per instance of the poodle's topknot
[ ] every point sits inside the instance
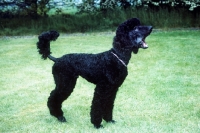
(127, 26)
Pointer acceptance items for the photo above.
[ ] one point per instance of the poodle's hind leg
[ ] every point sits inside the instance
(64, 87)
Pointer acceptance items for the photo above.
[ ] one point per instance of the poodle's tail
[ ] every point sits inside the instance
(43, 45)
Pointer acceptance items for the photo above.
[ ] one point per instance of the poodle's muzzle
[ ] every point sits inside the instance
(142, 43)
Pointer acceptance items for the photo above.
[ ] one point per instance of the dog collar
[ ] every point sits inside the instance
(119, 59)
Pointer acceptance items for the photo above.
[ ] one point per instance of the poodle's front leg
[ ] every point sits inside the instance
(96, 110)
(108, 104)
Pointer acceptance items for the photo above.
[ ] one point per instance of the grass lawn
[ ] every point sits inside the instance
(160, 95)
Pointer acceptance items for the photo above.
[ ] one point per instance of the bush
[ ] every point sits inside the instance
(99, 21)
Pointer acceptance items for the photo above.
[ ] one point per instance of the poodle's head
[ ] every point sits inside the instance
(131, 36)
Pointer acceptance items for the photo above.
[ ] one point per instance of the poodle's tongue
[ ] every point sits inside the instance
(144, 45)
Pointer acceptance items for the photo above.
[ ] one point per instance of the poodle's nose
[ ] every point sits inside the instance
(150, 28)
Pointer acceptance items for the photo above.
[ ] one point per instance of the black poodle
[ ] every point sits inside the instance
(107, 70)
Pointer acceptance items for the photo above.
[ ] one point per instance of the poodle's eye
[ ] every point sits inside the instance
(135, 28)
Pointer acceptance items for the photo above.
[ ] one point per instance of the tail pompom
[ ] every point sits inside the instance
(43, 45)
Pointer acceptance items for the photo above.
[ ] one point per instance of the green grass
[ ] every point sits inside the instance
(160, 95)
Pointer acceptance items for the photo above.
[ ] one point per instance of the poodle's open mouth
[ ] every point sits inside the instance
(143, 44)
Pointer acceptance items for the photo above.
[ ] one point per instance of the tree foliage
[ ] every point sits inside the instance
(36, 8)
(32, 8)
(92, 5)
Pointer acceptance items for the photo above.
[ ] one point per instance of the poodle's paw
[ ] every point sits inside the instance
(61, 119)
(98, 126)
(111, 121)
